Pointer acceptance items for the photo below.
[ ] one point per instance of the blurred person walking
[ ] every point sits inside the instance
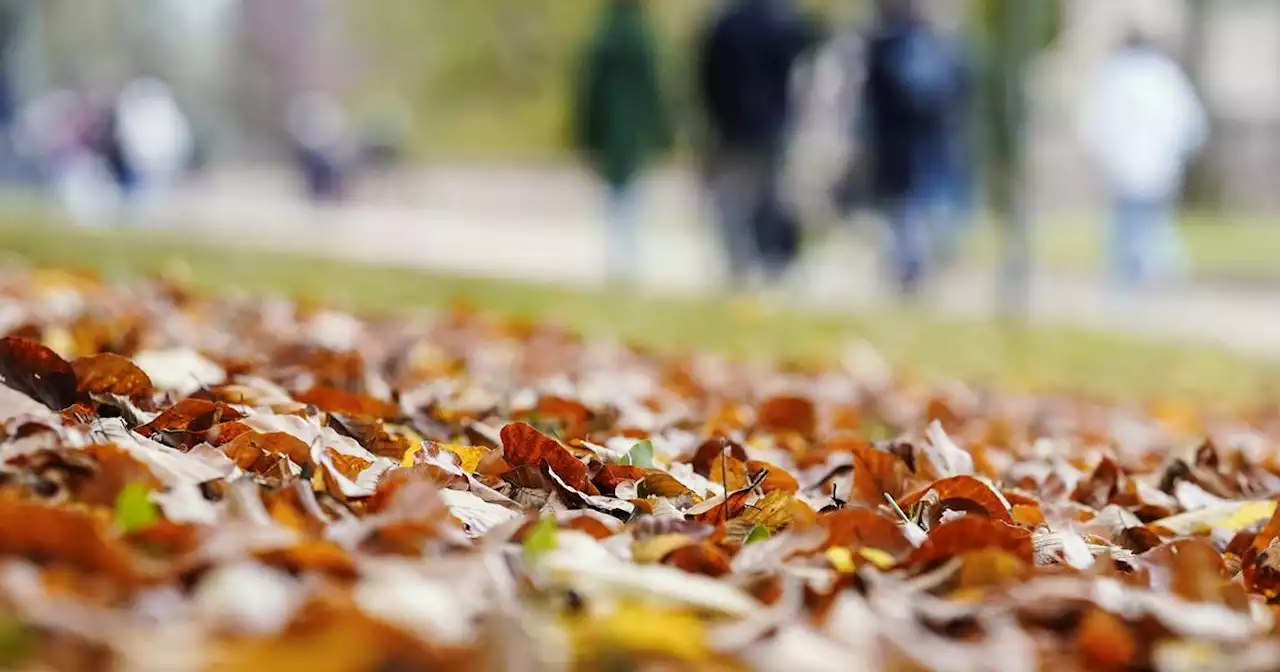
(747, 56)
(152, 144)
(1142, 122)
(322, 148)
(917, 84)
(621, 121)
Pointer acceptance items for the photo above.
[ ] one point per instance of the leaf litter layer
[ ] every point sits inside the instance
(192, 483)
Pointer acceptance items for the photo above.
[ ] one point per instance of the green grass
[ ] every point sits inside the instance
(921, 347)
(1241, 249)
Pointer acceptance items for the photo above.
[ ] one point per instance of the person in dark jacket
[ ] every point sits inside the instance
(621, 120)
(748, 53)
(915, 93)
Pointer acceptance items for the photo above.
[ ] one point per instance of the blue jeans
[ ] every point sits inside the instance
(910, 218)
(622, 246)
(1144, 243)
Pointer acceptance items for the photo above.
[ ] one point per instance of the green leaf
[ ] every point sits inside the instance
(134, 509)
(757, 533)
(640, 455)
(15, 642)
(541, 539)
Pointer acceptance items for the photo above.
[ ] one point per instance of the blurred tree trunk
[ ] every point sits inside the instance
(1203, 186)
(1012, 33)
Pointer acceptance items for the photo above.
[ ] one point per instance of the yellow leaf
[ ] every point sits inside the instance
(60, 341)
(1234, 516)
(879, 558)
(841, 559)
(640, 629)
(469, 456)
(772, 511)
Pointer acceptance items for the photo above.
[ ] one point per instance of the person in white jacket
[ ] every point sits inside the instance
(1142, 122)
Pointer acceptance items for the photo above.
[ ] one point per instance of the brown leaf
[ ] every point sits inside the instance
(703, 558)
(662, 484)
(111, 374)
(258, 452)
(190, 415)
(787, 414)
(523, 445)
(707, 453)
(1099, 487)
(38, 372)
(611, 475)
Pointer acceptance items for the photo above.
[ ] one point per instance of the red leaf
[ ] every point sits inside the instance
(522, 445)
(611, 475)
(38, 372)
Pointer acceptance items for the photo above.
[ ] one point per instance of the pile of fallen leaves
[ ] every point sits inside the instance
(249, 483)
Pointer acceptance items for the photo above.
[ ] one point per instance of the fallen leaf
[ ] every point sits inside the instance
(525, 446)
(334, 400)
(787, 414)
(111, 374)
(38, 372)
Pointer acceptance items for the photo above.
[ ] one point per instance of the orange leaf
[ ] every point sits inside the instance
(38, 372)
(863, 528)
(522, 445)
(971, 533)
(334, 400)
(787, 414)
(1027, 515)
(65, 536)
(877, 473)
(1105, 641)
(111, 374)
(777, 479)
(348, 465)
(963, 488)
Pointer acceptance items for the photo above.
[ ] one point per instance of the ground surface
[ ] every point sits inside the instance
(539, 235)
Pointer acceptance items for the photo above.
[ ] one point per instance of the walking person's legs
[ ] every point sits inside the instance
(908, 243)
(623, 233)
(733, 192)
(1130, 243)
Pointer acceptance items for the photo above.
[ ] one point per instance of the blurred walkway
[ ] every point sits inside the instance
(544, 226)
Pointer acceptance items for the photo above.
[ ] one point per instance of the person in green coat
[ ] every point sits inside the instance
(620, 120)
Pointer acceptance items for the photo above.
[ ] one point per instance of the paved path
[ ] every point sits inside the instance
(544, 225)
